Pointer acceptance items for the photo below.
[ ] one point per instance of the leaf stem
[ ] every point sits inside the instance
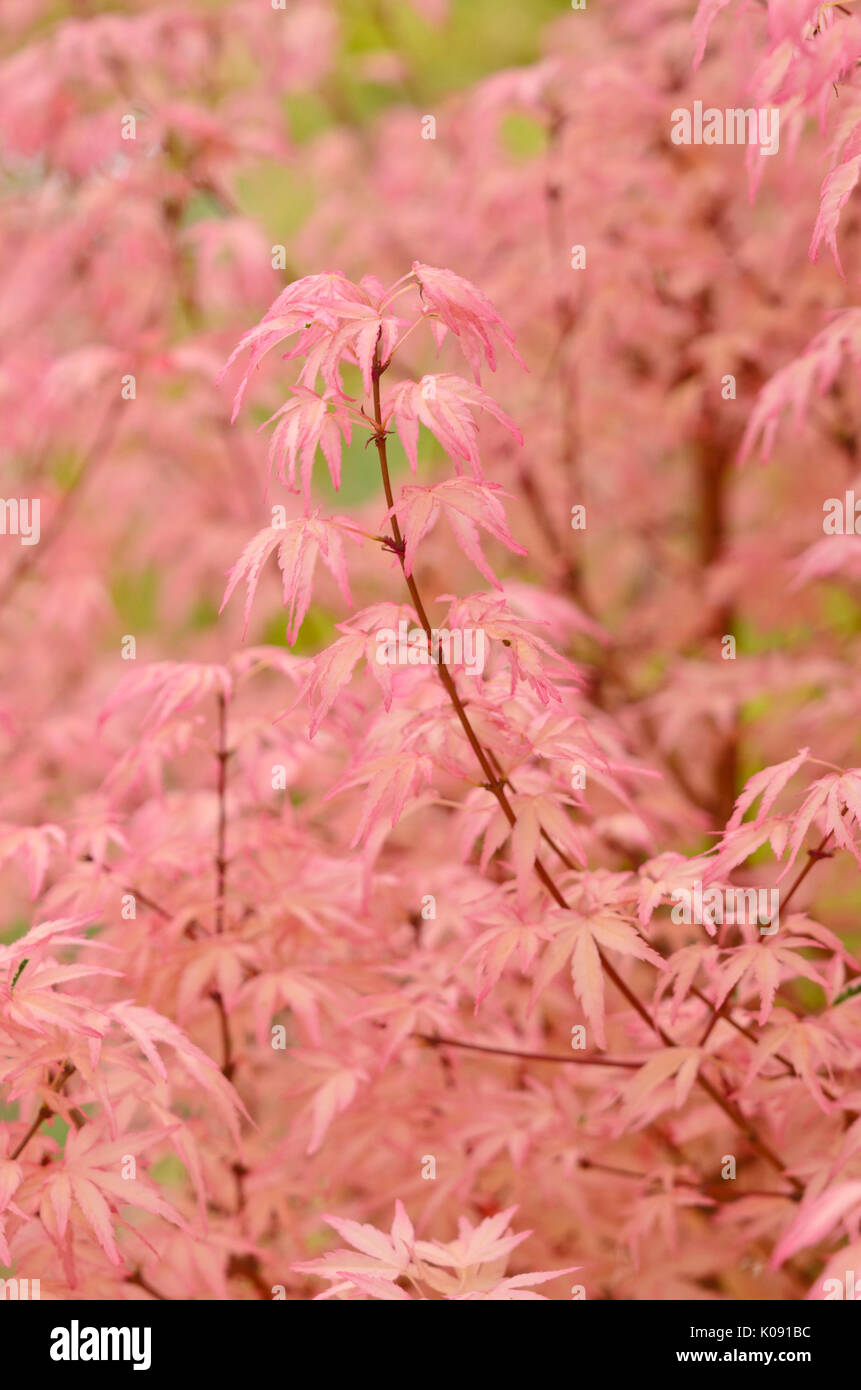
(222, 754)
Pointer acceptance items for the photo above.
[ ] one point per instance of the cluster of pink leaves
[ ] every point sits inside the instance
(333, 863)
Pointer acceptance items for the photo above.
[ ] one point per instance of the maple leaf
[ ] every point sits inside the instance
(443, 404)
(475, 1245)
(324, 676)
(663, 877)
(817, 1217)
(738, 845)
(305, 422)
(477, 1257)
(466, 505)
(335, 320)
(831, 555)
(147, 1027)
(762, 967)
(577, 941)
(391, 781)
(520, 648)
(467, 313)
(497, 946)
(33, 1003)
(770, 782)
(516, 1288)
(707, 13)
(145, 761)
(354, 338)
(836, 191)
(299, 544)
(94, 832)
(681, 1063)
(534, 814)
(421, 1006)
(815, 370)
(176, 686)
(681, 971)
(393, 1250)
(85, 1178)
(657, 1217)
(332, 1096)
(379, 1262)
(838, 796)
(808, 1044)
(32, 845)
(215, 964)
(36, 1004)
(64, 931)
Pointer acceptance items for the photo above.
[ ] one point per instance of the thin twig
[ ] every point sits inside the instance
(730, 1109)
(222, 754)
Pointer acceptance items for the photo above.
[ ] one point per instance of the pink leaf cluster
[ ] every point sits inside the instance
(431, 768)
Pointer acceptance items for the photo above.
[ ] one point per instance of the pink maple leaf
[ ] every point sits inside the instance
(336, 320)
(576, 943)
(299, 544)
(466, 505)
(305, 421)
(88, 1177)
(326, 674)
(467, 312)
(32, 846)
(770, 782)
(174, 685)
(444, 405)
(817, 1217)
(836, 191)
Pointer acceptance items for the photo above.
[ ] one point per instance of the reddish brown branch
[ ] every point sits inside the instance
(729, 1108)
